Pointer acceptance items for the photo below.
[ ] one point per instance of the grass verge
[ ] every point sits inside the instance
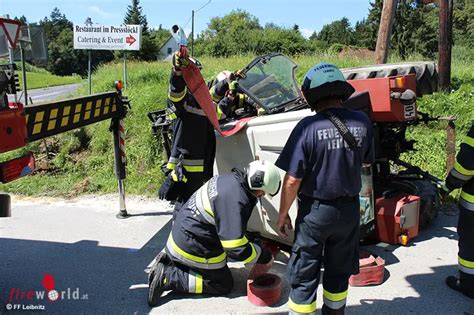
(36, 80)
(83, 161)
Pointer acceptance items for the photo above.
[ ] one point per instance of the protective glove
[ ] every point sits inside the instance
(237, 74)
(444, 191)
(179, 61)
(232, 91)
(233, 85)
(166, 189)
(265, 256)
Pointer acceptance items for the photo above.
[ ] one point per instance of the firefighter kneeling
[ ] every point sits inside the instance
(209, 229)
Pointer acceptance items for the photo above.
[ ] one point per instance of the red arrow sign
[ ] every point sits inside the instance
(130, 40)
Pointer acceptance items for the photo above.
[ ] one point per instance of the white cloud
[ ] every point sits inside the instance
(98, 11)
(306, 32)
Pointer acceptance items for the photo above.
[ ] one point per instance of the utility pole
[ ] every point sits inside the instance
(125, 69)
(89, 62)
(89, 72)
(192, 25)
(23, 70)
(385, 30)
(12, 61)
(445, 43)
(192, 33)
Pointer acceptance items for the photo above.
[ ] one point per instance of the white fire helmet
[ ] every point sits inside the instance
(223, 75)
(264, 175)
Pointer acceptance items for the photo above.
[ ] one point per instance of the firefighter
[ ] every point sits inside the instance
(210, 229)
(462, 175)
(225, 94)
(323, 158)
(193, 150)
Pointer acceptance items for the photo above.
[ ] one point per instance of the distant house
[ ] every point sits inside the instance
(168, 48)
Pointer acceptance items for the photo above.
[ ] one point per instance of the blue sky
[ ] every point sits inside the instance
(310, 15)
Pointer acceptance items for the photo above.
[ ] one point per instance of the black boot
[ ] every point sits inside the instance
(161, 257)
(158, 284)
(454, 283)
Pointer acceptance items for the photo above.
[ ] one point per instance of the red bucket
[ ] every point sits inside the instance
(265, 290)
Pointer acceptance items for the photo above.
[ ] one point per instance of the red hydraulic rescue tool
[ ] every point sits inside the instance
(199, 89)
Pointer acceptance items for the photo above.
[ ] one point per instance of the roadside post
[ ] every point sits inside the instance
(25, 43)
(89, 72)
(118, 131)
(125, 69)
(23, 71)
(107, 37)
(11, 29)
(110, 37)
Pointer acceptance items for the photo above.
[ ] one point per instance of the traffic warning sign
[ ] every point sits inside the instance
(11, 28)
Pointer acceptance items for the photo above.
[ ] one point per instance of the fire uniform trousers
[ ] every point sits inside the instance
(208, 230)
(327, 224)
(333, 227)
(462, 175)
(225, 106)
(193, 137)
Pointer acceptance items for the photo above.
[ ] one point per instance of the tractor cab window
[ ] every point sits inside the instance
(271, 82)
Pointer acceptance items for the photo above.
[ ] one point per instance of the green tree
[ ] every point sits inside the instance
(63, 59)
(149, 49)
(55, 24)
(373, 22)
(22, 19)
(135, 15)
(363, 35)
(412, 31)
(239, 32)
(229, 35)
(463, 23)
(337, 32)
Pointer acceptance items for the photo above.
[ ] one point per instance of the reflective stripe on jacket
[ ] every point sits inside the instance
(193, 134)
(211, 225)
(462, 175)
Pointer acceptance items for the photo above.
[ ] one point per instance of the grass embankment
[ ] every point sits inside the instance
(43, 80)
(84, 159)
(40, 78)
(430, 139)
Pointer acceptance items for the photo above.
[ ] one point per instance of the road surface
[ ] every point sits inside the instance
(50, 94)
(98, 262)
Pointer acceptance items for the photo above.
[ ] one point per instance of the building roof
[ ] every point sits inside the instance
(166, 42)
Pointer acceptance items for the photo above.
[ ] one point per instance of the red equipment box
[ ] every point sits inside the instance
(398, 218)
(13, 133)
(384, 106)
(17, 168)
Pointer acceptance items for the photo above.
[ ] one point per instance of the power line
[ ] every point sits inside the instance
(202, 7)
(187, 22)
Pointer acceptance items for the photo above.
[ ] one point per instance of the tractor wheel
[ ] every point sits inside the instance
(5, 205)
(426, 74)
(429, 194)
